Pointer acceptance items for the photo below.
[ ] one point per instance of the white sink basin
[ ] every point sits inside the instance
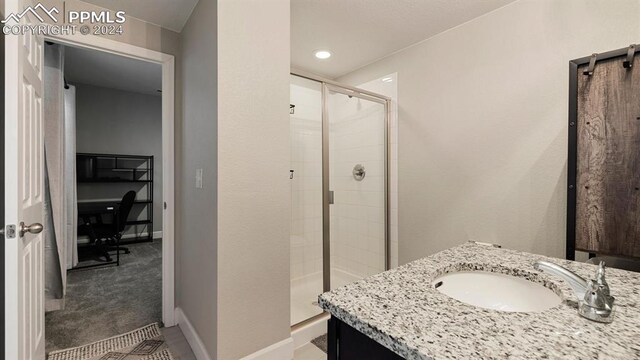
(496, 291)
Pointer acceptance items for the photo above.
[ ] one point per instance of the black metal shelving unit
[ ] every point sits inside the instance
(105, 170)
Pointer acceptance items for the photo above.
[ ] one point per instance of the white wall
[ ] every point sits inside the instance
(135, 31)
(196, 209)
(253, 175)
(234, 232)
(110, 121)
(483, 123)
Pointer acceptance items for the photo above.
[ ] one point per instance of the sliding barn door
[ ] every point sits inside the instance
(24, 184)
(608, 159)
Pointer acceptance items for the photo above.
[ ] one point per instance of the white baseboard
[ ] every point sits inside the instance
(305, 333)
(192, 336)
(156, 235)
(282, 350)
(53, 305)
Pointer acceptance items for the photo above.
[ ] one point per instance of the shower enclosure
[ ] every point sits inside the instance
(339, 189)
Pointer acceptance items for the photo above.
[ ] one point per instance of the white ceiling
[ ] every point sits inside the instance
(359, 32)
(111, 71)
(170, 14)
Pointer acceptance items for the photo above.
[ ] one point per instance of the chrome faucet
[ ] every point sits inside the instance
(594, 300)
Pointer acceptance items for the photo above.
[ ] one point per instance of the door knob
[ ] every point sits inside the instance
(35, 228)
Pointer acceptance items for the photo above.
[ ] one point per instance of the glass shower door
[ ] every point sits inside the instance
(338, 178)
(306, 198)
(355, 142)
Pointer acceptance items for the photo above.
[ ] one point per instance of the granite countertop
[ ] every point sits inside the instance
(401, 310)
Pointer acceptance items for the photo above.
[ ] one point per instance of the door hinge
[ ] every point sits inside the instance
(11, 231)
(165, 205)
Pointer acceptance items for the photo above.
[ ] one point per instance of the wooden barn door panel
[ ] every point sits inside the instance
(608, 159)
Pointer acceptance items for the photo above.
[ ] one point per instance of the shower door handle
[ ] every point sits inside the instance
(331, 199)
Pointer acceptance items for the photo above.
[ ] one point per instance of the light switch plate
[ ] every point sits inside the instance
(198, 178)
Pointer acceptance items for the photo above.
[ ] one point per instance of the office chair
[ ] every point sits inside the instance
(122, 214)
(105, 235)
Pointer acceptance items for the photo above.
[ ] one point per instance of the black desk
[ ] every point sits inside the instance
(89, 211)
(96, 208)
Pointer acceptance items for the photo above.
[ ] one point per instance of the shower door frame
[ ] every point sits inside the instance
(328, 86)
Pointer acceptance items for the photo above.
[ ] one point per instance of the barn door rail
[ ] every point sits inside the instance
(592, 65)
(631, 53)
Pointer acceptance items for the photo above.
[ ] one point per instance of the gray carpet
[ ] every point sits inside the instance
(321, 342)
(104, 302)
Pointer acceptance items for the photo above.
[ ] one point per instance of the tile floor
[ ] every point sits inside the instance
(309, 352)
(181, 350)
(177, 343)
(305, 291)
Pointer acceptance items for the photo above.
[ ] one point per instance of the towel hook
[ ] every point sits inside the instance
(592, 65)
(628, 64)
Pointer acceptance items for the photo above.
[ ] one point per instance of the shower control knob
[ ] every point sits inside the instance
(359, 172)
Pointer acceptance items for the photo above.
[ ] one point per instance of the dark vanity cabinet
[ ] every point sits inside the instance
(347, 343)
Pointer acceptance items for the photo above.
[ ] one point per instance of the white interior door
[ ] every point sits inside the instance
(24, 181)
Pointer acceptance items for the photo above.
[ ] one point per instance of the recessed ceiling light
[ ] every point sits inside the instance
(387, 79)
(322, 54)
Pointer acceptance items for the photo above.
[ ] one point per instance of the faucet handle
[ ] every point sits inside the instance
(597, 304)
(601, 281)
(596, 297)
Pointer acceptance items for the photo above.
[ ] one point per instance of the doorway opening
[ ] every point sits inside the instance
(109, 155)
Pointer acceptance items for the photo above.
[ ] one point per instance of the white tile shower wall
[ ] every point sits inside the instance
(306, 185)
(357, 216)
(388, 86)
